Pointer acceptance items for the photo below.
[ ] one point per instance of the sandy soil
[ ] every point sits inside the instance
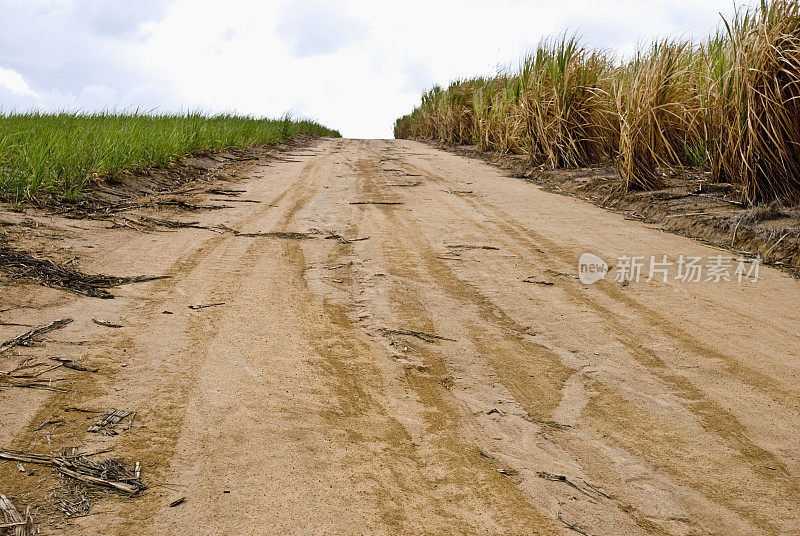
(297, 408)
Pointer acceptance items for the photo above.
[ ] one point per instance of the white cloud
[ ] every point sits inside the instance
(312, 27)
(355, 65)
(14, 82)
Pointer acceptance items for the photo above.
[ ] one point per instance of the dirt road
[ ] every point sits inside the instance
(404, 378)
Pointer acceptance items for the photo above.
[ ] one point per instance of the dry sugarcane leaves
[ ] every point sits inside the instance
(376, 202)
(286, 235)
(33, 335)
(20, 524)
(427, 337)
(109, 473)
(74, 365)
(105, 323)
(22, 266)
(108, 421)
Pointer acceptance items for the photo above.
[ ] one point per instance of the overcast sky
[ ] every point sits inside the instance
(352, 65)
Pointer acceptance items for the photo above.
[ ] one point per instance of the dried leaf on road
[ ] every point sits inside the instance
(110, 473)
(107, 422)
(106, 323)
(33, 335)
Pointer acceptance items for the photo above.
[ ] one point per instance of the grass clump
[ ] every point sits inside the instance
(657, 106)
(759, 95)
(730, 105)
(564, 105)
(59, 155)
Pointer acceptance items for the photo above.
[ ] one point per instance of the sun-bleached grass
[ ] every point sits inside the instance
(730, 104)
(759, 94)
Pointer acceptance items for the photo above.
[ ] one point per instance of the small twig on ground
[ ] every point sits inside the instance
(106, 323)
(226, 191)
(376, 202)
(92, 453)
(74, 365)
(718, 198)
(332, 235)
(468, 246)
(427, 337)
(81, 410)
(11, 381)
(206, 305)
(598, 490)
(287, 235)
(48, 423)
(33, 335)
(237, 200)
(566, 480)
(47, 370)
(572, 526)
(538, 281)
(774, 245)
(508, 472)
(130, 422)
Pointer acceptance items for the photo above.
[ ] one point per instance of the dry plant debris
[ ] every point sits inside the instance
(74, 365)
(203, 306)
(468, 246)
(226, 191)
(376, 202)
(726, 105)
(22, 266)
(538, 281)
(108, 421)
(33, 335)
(18, 523)
(287, 235)
(106, 323)
(427, 337)
(572, 526)
(566, 480)
(10, 380)
(141, 222)
(238, 200)
(109, 473)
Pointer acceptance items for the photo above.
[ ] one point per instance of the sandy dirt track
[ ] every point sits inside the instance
(297, 407)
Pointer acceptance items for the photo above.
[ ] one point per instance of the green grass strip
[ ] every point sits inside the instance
(60, 155)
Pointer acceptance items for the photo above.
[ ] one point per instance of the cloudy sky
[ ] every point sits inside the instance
(353, 65)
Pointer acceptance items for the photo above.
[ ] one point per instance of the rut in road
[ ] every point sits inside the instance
(412, 382)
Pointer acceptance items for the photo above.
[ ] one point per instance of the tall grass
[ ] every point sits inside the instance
(564, 104)
(61, 154)
(730, 104)
(657, 106)
(759, 121)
